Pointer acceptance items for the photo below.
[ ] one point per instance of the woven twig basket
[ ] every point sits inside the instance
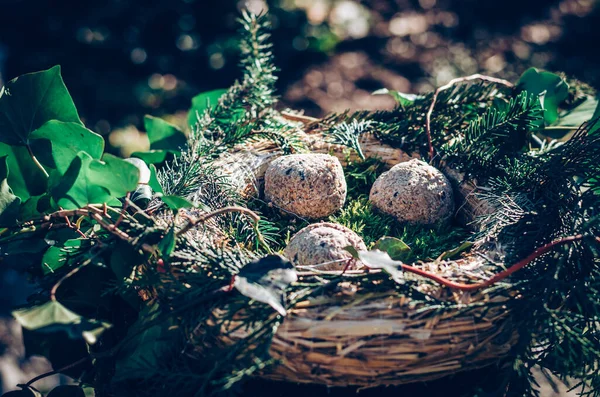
(358, 338)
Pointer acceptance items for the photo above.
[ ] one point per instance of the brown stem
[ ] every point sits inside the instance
(299, 117)
(57, 371)
(35, 160)
(445, 87)
(192, 222)
(123, 209)
(59, 282)
(499, 276)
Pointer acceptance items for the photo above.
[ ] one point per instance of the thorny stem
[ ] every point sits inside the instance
(499, 276)
(445, 87)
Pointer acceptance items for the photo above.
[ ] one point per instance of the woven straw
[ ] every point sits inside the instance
(357, 338)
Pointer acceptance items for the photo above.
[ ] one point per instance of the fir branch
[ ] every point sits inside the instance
(495, 134)
(349, 133)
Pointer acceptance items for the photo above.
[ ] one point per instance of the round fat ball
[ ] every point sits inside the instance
(322, 245)
(308, 185)
(414, 193)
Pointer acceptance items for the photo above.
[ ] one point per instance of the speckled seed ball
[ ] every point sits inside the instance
(322, 243)
(413, 192)
(308, 185)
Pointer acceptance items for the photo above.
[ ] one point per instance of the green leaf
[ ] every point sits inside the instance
(377, 259)
(90, 181)
(22, 254)
(550, 88)
(581, 114)
(56, 257)
(153, 183)
(153, 156)
(202, 102)
(175, 202)
(35, 207)
(266, 279)
(29, 101)
(9, 203)
(454, 252)
(401, 98)
(164, 135)
(56, 144)
(25, 178)
(167, 244)
(67, 391)
(395, 248)
(149, 343)
(52, 316)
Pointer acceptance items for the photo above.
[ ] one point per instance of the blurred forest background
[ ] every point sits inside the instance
(122, 59)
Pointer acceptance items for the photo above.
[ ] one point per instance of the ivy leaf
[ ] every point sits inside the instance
(52, 316)
(377, 259)
(56, 257)
(91, 181)
(22, 254)
(56, 144)
(29, 101)
(67, 391)
(175, 203)
(152, 342)
(164, 135)
(25, 178)
(549, 87)
(395, 248)
(401, 98)
(153, 156)
(9, 203)
(266, 279)
(202, 102)
(35, 207)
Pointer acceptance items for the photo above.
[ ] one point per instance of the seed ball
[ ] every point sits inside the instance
(414, 193)
(308, 185)
(321, 244)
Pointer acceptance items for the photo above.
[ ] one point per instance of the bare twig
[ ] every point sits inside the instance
(445, 87)
(299, 117)
(194, 221)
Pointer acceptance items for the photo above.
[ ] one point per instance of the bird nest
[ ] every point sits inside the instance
(356, 335)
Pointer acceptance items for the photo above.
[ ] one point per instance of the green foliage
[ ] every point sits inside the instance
(90, 181)
(29, 101)
(397, 249)
(549, 87)
(348, 134)
(501, 131)
(203, 102)
(176, 203)
(52, 317)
